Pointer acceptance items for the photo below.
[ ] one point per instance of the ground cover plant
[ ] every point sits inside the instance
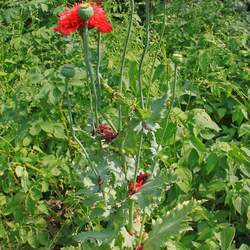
(124, 125)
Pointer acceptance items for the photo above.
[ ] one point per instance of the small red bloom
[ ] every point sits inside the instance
(69, 20)
(139, 247)
(106, 132)
(140, 180)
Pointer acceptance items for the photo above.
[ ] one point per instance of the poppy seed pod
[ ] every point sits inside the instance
(68, 71)
(85, 12)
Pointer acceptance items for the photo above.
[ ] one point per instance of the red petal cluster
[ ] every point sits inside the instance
(139, 247)
(140, 180)
(69, 20)
(106, 132)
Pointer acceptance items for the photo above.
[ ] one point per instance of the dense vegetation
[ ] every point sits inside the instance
(196, 134)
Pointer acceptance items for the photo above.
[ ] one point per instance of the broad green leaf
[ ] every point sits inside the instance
(240, 204)
(203, 120)
(185, 178)
(197, 144)
(23, 175)
(159, 71)
(211, 162)
(157, 108)
(226, 237)
(244, 129)
(47, 126)
(239, 155)
(170, 225)
(58, 131)
(99, 236)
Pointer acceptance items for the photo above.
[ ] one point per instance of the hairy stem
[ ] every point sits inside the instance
(99, 93)
(139, 153)
(146, 45)
(83, 150)
(173, 90)
(137, 165)
(125, 47)
(156, 53)
(131, 216)
(144, 216)
(138, 158)
(85, 38)
(171, 104)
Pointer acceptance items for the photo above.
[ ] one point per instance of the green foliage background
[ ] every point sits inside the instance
(47, 194)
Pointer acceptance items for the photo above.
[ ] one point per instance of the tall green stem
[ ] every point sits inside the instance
(144, 53)
(138, 158)
(171, 104)
(139, 153)
(144, 216)
(83, 150)
(137, 166)
(173, 90)
(125, 47)
(90, 100)
(131, 216)
(156, 53)
(98, 68)
(85, 38)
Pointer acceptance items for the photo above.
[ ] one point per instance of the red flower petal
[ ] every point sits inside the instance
(69, 20)
(140, 180)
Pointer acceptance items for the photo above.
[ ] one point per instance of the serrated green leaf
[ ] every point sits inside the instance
(169, 226)
(149, 192)
(99, 236)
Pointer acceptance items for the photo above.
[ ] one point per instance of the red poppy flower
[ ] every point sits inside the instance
(69, 20)
(106, 132)
(140, 180)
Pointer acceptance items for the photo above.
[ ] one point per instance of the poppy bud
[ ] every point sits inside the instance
(85, 12)
(178, 58)
(68, 71)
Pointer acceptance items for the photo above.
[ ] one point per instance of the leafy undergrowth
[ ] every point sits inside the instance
(197, 153)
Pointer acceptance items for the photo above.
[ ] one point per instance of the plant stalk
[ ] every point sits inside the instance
(99, 91)
(137, 165)
(85, 38)
(83, 150)
(139, 153)
(125, 47)
(168, 114)
(146, 45)
(144, 216)
(131, 216)
(156, 53)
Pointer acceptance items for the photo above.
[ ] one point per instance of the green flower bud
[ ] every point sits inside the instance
(85, 12)
(68, 71)
(178, 58)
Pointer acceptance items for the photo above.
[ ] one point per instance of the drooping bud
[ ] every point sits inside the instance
(86, 11)
(68, 71)
(178, 58)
